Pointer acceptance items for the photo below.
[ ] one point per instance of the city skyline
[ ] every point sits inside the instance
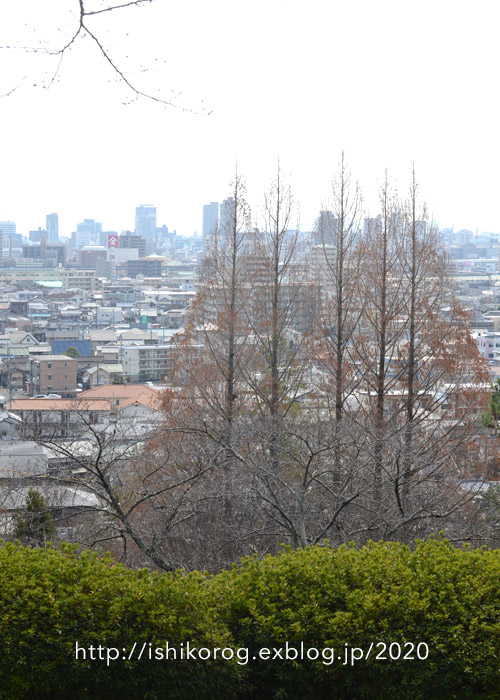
(212, 215)
(389, 85)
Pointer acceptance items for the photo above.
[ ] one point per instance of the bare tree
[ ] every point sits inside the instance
(217, 317)
(142, 485)
(339, 266)
(277, 315)
(282, 441)
(426, 381)
(376, 347)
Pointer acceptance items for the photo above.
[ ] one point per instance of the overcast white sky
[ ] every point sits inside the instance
(389, 81)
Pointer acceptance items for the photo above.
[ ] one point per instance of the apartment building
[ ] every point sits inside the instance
(57, 277)
(149, 267)
(53, 374)
(143, 363)
(488, 345)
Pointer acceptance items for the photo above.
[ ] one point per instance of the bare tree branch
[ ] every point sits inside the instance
(84, 30)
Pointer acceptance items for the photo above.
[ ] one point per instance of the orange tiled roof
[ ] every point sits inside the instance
(152, 401)
(59, 405)
(119, 391)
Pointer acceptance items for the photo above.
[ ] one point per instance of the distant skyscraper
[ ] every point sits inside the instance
(210, 220)
(52, 227)
(325, 230)
(8, 229)
(226, 213)
(87, 233)
(145, 221)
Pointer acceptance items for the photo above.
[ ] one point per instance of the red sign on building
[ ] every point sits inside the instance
(113, 241)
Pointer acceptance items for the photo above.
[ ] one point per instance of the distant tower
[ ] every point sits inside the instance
(52, 228)
(145, 221)
(325, 228)
(210, 220)
(8, 228)
(8, 233)
(87, 233)
(227, 212)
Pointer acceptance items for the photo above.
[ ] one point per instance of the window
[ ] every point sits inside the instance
(49, 377)
(49, 365)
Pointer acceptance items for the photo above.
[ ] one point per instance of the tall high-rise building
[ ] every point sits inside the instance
(8, 229)
(8, 234)
(227, 213)
(87, 233)
(325, 230)
(52, 227)
(210, 220)
(145, 221)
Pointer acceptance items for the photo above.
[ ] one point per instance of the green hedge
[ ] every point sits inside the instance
(437, 595)
(50, 599)
(445, 597)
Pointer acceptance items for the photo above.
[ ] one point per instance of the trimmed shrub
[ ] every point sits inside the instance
(51, 599)
(382, 594)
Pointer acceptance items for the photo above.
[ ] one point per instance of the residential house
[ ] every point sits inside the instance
(124, 395)
(60, 418)
(103, 374)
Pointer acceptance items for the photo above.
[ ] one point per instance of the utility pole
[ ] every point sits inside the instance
(97, 371)
(9, 375)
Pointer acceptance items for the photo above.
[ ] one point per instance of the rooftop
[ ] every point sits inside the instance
(56, 358)
(145, 399)
(60, 404)
(110, 368)
(118, 391)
